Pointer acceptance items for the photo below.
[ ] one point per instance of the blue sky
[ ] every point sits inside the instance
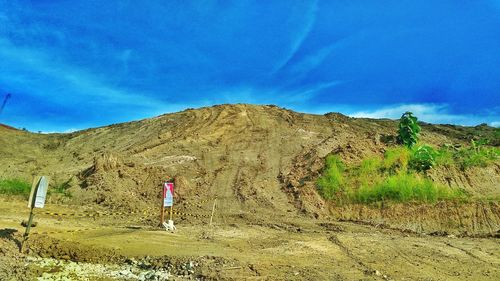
(77, 64)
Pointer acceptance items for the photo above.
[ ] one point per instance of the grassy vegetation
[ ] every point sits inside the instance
(476, 155)
(15, 187)
(61, 188)
(404, 187)
(400, 174)
(332, 181)
(19, 187)
(395, 177)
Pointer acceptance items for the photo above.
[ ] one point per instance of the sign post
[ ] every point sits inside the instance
(162, 210)
(168, 201)
(36, 200)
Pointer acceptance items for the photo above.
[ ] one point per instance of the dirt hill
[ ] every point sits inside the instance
(262, 164)
(254, 159)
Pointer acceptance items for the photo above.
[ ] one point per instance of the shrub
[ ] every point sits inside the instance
(15, 187)
(474, 157)
(423, 158)
(409, 129)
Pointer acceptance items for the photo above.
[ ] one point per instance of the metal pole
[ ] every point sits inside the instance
(172, 207)
(27, 232)
(30, 220)
(162, 216)
(171, 211)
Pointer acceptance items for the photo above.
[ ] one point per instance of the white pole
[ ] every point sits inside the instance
(213, 211)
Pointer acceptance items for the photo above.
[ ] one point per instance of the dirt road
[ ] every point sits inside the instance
(250, 248)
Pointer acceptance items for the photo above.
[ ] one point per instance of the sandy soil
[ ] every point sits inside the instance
(291, 248)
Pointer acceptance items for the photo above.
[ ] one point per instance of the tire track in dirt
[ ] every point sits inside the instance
(366, 269)
(228, 204)
(417, 260)
(467, 252)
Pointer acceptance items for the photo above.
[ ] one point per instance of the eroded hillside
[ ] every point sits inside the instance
(255, 159)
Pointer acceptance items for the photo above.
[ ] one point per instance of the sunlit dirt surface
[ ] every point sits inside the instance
(289, 248)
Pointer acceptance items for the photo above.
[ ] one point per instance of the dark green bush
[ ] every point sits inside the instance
(423, 158)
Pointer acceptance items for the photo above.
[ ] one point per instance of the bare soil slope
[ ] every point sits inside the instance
(257, 160)
(261, 163)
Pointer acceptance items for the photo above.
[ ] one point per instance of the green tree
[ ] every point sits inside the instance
(409, 129)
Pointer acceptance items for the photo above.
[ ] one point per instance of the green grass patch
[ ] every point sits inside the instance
(401, 174)
(445, 157)
(478, 158)
(398, 176)
(404, 187)
(15, 187)
(396, 158)
(332, 180)
(20, 187)
(467, 157)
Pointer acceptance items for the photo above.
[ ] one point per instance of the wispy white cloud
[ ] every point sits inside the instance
(125, 58)
(307, 93)
(301, 36)
(255, 95)
(74, 80)
(316, 58)
(312, 61)
(430, 113)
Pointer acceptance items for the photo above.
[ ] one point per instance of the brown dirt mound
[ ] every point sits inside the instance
(254, 159)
